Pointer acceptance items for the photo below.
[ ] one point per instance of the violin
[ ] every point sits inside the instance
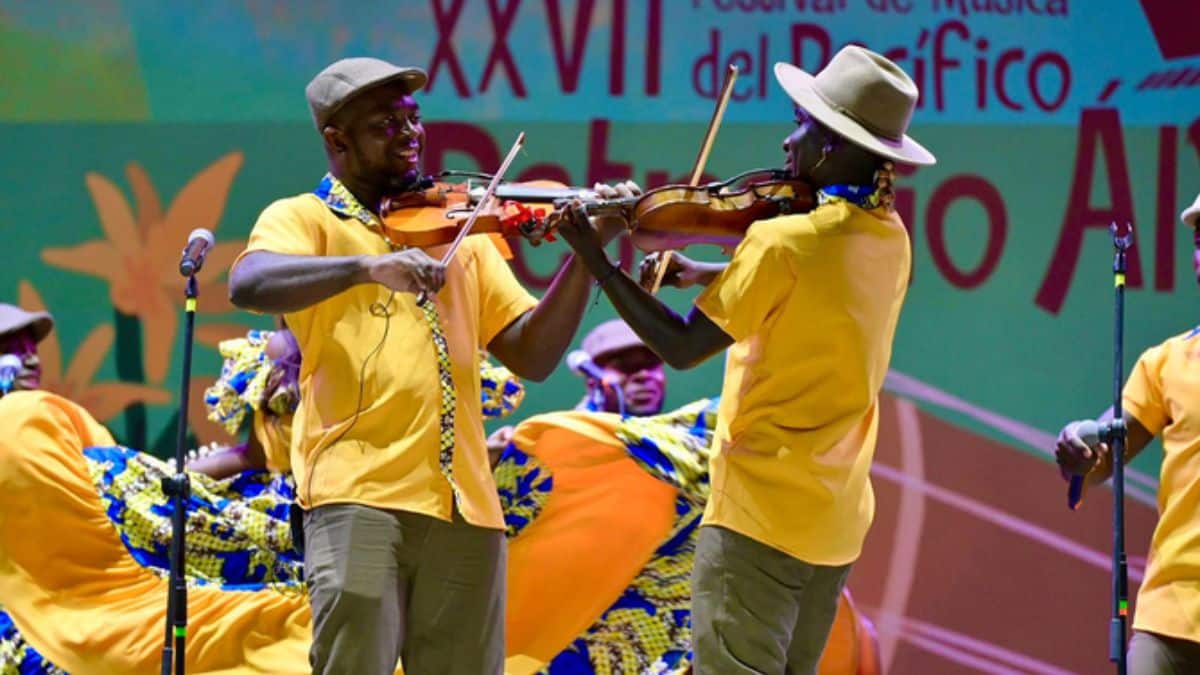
(434, 213)
(665, 218)
(673, 216)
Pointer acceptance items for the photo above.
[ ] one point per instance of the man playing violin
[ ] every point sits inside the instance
(808, 307)
(404, 535)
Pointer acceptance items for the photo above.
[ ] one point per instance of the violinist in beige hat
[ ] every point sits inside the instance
(20, 333)
(807, 308)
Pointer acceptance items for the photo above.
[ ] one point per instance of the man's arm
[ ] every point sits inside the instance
(1077, 458)
(682, 342)
(533, 345)
(274, 283)
(231, 460)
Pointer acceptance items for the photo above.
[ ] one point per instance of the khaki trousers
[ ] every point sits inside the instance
(388, 586)
(1153, 654)
(756, 609)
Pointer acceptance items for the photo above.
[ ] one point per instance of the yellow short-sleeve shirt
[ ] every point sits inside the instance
(1163, 394)
(811, 302)
(366, 429)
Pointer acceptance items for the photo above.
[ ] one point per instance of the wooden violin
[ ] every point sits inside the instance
(435, 212)
(674, 216)
(665, 218)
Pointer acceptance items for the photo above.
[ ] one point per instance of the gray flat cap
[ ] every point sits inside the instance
(342, 80)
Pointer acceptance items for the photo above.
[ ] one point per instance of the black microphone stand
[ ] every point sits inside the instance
(1115, 435)
(177, 488)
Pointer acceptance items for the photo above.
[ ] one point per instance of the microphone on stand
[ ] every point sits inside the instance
(10, 366)
(1091, 433)
(581, 363)
(200, 242)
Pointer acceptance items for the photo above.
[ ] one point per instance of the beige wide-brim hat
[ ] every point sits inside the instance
(342, 80)
(13, 319)
(1191, 215)
(864, 98)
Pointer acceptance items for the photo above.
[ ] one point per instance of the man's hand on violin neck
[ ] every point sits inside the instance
(407, 271)
(611, 223)
(579, 232)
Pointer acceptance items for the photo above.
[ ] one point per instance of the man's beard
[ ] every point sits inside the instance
(404, 182)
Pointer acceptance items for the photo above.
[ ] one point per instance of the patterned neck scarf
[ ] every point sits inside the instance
(863, 196)
(338, 198)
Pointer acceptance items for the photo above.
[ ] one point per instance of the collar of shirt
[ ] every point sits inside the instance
(338, 197)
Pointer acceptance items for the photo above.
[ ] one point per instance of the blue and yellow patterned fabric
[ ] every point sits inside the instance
(239, 539)
(648, 629)
(502, 392)
(239, 390)
(238, 532)
(524, 485)
(18, 657)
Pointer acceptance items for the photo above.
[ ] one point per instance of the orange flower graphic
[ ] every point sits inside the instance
(104, 400)
(139, 256)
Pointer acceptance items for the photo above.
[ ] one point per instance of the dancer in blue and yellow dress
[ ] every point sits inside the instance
(601, 512)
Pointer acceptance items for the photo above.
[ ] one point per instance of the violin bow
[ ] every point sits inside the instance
(487, 196)
(701, 159)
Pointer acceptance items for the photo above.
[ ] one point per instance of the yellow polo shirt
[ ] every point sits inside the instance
(811, 302)
(355, 355)
(1163, 393)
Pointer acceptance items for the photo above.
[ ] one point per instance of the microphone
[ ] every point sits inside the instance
(10, 365)
(200, 242)
(1090, 432)
(581, 363)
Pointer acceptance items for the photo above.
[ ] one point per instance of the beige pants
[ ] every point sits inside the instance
(1152, 654)
(388, 586)
(756, 609)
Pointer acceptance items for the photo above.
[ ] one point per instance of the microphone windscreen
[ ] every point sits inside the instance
(577, 359)
(201, 233)
(1088, 432)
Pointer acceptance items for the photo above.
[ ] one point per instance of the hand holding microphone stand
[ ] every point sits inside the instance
(1114, 433)
(177, 488)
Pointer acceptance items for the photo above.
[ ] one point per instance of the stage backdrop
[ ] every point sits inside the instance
(126, 124)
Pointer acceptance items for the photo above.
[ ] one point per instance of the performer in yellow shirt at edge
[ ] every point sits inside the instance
(1160, 398)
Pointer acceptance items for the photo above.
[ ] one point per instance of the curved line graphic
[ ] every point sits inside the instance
(1004, 520)
(1035, 439)
(906, 540)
